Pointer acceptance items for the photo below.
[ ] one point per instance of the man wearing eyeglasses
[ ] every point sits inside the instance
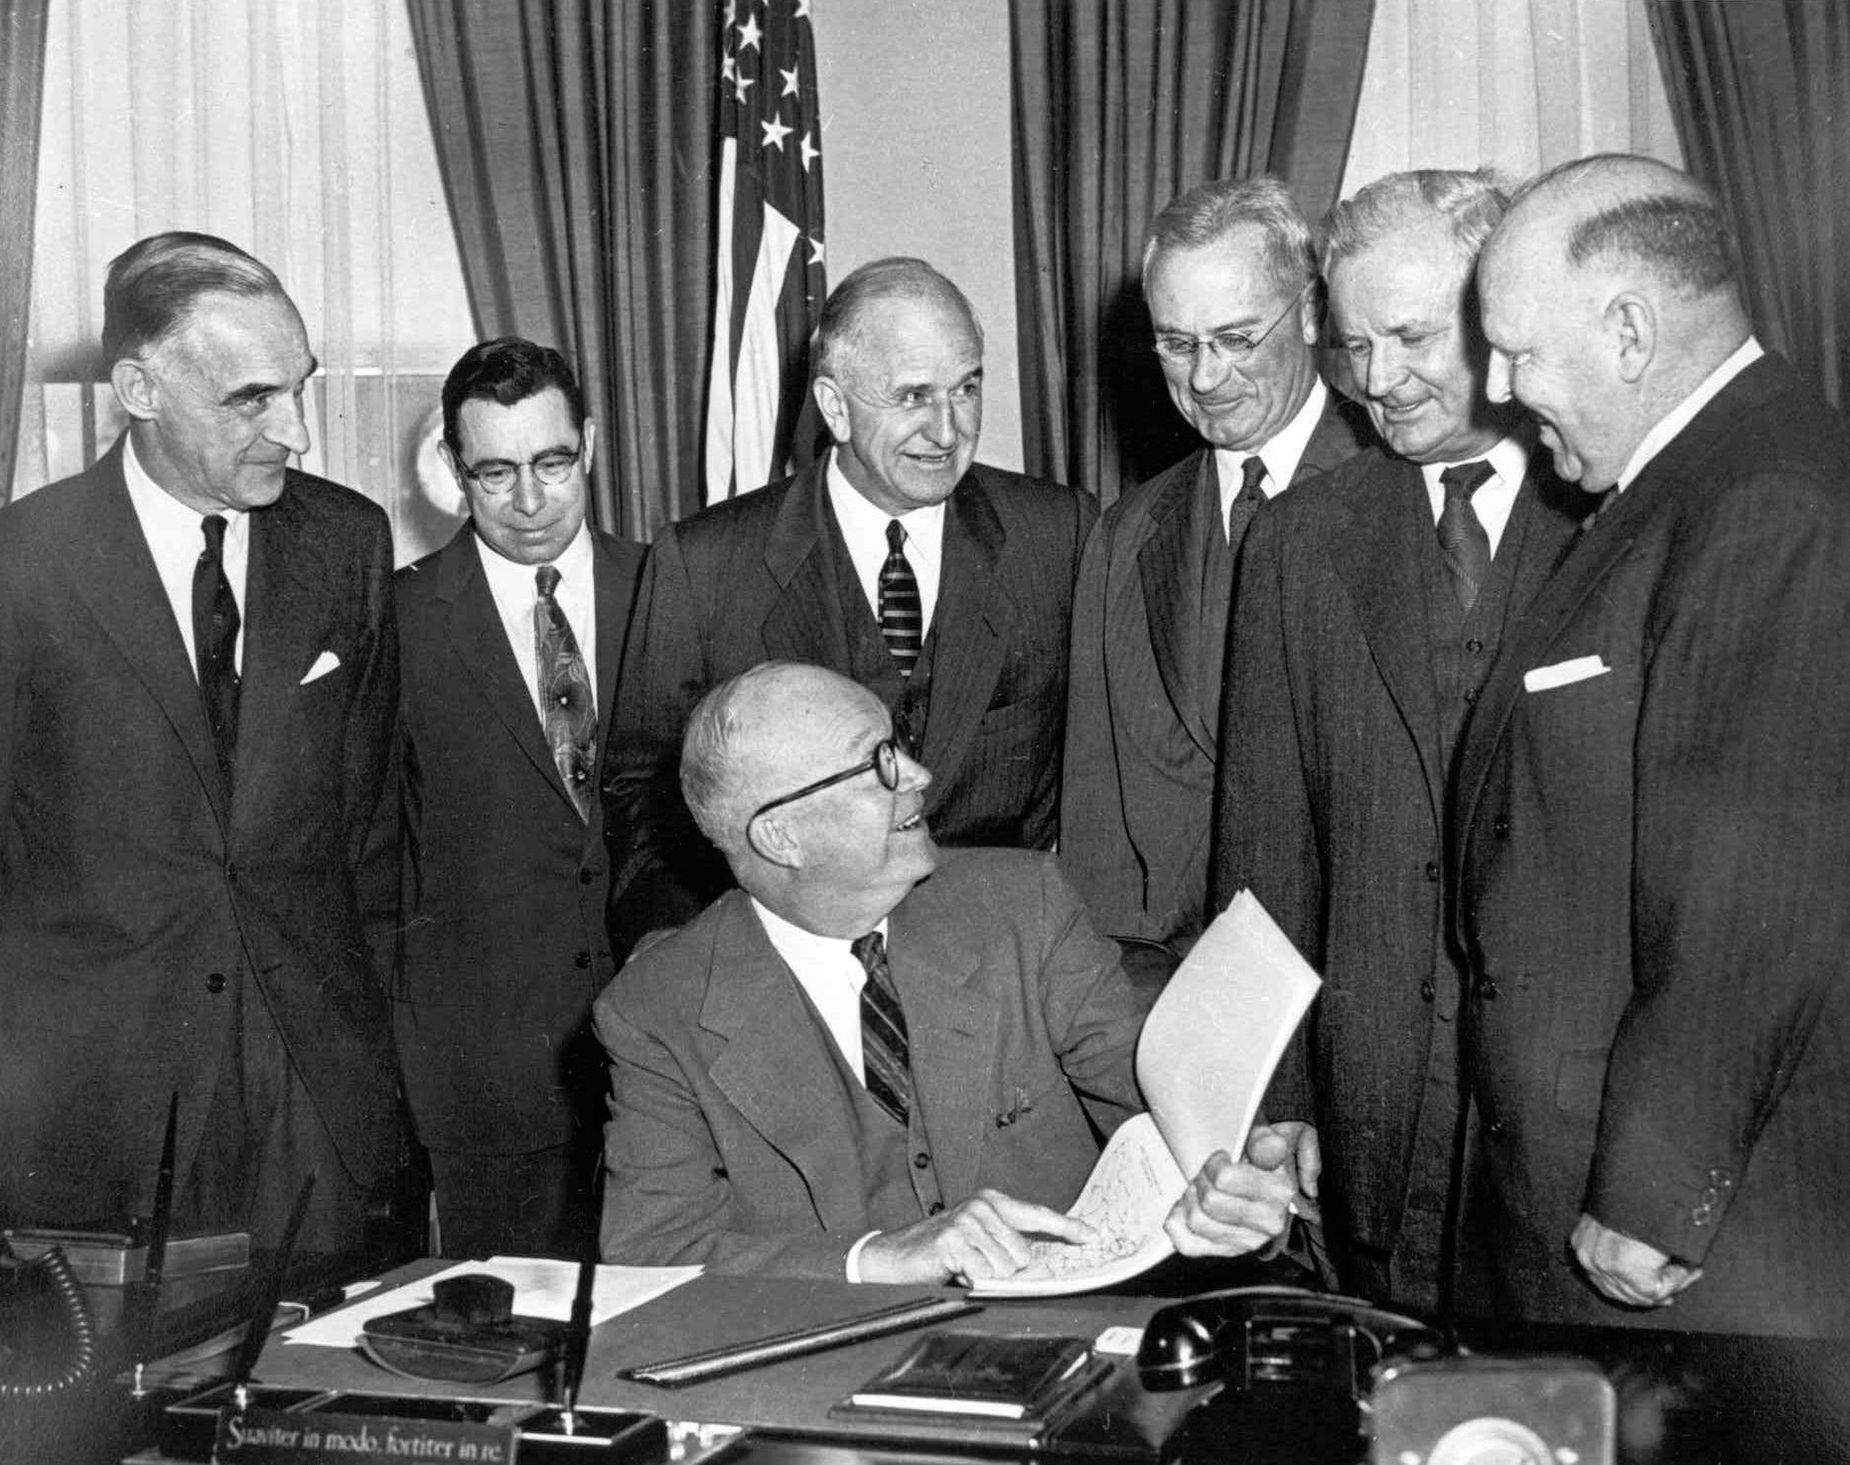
(1230, 282)
(1369, 613)
(511, 636)
(896, 558)
(873, 1059)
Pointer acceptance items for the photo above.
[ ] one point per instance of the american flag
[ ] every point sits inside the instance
(770, 282)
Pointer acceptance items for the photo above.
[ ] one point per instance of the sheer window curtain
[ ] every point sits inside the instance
(297, 132)
(22, 72)
(1518, 85)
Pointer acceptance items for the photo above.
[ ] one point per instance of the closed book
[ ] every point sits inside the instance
(979, 1374)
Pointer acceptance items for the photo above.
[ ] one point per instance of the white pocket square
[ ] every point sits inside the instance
(1563, 673)
(324, 663)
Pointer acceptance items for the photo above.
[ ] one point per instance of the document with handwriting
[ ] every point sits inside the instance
(1204, 1059)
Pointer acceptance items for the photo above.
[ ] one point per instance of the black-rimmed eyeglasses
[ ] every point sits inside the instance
(1178, 350)
(883, 761)
(551, 469)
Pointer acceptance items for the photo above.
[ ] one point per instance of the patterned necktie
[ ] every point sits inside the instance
(1247, 502)
(565, 693)
(902, 613)
(885, 1054)
(1462, 537)
(215, 643)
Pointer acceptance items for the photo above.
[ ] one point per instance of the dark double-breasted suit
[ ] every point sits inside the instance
(141, 903)
(1144, 696)
(1331, 801)
(767, 575)
(734, 1139)
(1653, 865)
(503, 944)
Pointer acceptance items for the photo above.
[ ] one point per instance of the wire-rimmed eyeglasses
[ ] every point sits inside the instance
(883, 761)
(1176, 349)
(551, 468)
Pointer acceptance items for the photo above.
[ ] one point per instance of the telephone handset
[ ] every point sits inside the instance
(1275, 1336)
(47, 1336)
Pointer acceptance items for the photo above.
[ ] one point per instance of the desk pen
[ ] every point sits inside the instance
(257, 1331)
(578, 1328)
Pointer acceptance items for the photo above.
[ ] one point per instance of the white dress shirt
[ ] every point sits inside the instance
(864, 527)
(1495, 498)
(176, 540)
(516, 592)
(1281, 455)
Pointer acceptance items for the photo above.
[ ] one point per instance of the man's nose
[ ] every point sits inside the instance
(913, 775)
(1206, 370)
(1497, 379)
(286, 425)
(1387, 369)
(528, 493)
(941, 427)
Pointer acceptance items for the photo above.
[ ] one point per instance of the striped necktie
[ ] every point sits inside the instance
(1462, 537)
(902, 613)
(885, 1053)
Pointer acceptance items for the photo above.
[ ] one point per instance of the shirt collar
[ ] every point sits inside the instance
(803, 950)
(160, 511)
(862, 522)
(1680, 416)
(1508, 458)
(1282, 452)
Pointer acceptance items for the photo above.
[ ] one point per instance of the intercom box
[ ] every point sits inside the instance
(1476, 1410)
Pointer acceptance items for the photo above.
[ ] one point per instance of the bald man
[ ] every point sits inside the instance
(753, 1125)
(1653, 798)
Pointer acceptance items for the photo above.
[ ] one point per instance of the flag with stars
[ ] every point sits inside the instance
(769, 281)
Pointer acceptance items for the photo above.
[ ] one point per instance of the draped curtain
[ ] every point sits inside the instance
(1120, 105)
(1761, 95)
(577, 146)
(22, 76)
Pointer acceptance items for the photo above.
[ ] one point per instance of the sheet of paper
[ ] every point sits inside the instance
(1204, 1059)
(542, 1288)
(1211, 1042)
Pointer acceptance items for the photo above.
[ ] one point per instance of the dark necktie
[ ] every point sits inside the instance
(565, 693)
(902, 613)
(885, 1054)
(215, 643)
(1247, 502)
(1462, 537)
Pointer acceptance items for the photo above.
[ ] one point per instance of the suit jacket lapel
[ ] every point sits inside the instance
(1380, 557)
(953, 1033)
(974, 623)
(805, 622)
(480, 642)
(115, 576)
(754, 1003)
(1169, 566)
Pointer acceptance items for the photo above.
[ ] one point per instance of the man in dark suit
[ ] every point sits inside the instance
(1654, 795)
(199, 669)
(507, 634)
(1230, 275)
(1366, 621)
(943, 585)
(959, 1029)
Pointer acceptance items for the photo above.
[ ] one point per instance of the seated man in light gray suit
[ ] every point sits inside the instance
(761, 1121)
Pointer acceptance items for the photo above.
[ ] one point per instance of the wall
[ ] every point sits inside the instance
(916, 160)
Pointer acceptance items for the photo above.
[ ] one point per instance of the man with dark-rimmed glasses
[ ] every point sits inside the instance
(511, 636)
(874, 1059)
(1231, 284)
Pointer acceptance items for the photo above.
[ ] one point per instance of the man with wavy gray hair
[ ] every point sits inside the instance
(1653, 818)
(1368, 616)
(1230, 278)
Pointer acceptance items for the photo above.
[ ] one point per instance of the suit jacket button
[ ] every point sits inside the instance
(1426, 991)
(921, 1161)
(582, 960)
(1702, 1215)
(585, 877)
(1474, 645)
(1432, 871)
(935, 1208)
(1470, 696)
(1487, 989)
(216, 982)
(1500, 827)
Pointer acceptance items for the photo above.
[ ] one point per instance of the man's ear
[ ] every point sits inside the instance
(135, 389)
(1633, 322)
(450, 461)
(832, 402)
(774, 841)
